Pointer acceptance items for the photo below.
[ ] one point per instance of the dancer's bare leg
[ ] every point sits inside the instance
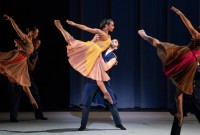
(30, 96)
(151, 40)
(179, 105)
(105, 92)
(65, 34)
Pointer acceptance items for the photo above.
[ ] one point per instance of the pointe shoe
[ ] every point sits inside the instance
(34, 104)
(58, 24)
(108, 97)
(143, 34)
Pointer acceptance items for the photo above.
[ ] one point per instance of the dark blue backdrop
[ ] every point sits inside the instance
(138, 80)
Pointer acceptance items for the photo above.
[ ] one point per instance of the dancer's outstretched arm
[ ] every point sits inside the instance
(19, 32)
(88, 29)
(187, 23)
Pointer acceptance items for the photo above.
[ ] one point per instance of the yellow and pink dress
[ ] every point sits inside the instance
(86, 58)
(13, 64)
(180, 63)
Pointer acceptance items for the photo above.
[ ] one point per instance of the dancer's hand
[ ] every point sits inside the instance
(95, 38)
(7, 17)
(18, 43)
(71, 22)
(176, 10)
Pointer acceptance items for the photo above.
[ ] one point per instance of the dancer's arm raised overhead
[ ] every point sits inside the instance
(192, 30)
(18, 72)
(88, 29)
(19, 32)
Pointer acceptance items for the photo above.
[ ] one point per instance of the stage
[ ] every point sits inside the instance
(99, 123)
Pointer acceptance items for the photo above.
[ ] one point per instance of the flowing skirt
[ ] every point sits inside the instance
(179, 65)
(86, 58)
(13, 64)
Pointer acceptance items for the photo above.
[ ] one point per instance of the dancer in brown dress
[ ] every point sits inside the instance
(179, 63)
(13, 64)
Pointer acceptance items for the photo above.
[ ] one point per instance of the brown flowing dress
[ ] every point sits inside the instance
(180, 63)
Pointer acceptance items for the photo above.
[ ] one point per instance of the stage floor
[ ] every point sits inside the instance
(99, 123)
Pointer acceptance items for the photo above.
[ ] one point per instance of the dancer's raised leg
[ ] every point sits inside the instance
(151, 40)
(65, 34)
(30, 96)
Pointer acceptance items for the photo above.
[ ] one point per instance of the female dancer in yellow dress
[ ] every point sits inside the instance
(13, 64)
(86, 57)
(179, 62)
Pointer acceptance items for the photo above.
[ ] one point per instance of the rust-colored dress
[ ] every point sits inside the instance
(13, 64)
(86, 58)
(180, 63)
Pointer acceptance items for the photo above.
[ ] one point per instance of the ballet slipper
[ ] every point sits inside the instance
(58, 24)
(34, 104)
(143, 34)
(151, 40)
(108, 97)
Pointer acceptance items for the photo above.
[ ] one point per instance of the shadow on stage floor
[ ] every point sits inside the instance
(99, 123)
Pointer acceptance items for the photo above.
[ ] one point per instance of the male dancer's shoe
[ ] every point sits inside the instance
(81, 128)
(121, 127)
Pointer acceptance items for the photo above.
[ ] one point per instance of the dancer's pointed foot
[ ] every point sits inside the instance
(143, 34)
(151, 40)
(108, 97)
(34, 104)
(58, 24)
